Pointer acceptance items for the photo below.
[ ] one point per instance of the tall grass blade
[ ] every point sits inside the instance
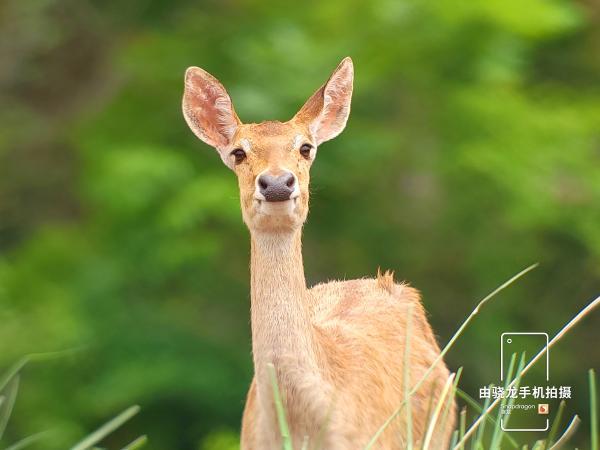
(552, 342)
(137, 443)
(539, 445)
(450, 402)
(283, 426)
(106, 429)
(498, 432)
(454, 438)
(27, 441)
(555, 424)
(471, 402)
(446, 349)
(569, 432)
(16, 367)
(430, 405)
(436, 412)
(12, 372)
(462, 423)
(498, 427)
(478, 442)
(11, 395)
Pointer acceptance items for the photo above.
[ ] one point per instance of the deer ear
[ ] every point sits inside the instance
(326, 111)
(208, 109)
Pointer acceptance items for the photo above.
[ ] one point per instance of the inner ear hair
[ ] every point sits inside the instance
(326, 111)
(208, 109)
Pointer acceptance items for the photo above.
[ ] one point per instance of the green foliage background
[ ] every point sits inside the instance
(473, 150)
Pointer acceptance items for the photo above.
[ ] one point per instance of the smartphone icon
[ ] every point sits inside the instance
(528, 412)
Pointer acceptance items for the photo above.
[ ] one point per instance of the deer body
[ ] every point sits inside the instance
(337, 348)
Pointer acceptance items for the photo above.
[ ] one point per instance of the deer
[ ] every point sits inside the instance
(336, 350)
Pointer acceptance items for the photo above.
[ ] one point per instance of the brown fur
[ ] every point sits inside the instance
(337, 348)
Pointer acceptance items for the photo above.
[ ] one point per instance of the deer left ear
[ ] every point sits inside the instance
(326, 111)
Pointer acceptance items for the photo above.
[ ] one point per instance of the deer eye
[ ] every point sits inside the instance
(305, 150)
(239, 155)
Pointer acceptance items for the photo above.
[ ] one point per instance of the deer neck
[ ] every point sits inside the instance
(282, 333)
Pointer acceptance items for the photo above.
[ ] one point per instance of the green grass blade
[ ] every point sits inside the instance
(27, 441)
(454, 438)
(569, 432)
(593, 410)
(429, 405)
(555, 424)
(12, 372)
(106, 429)
(496, 435)
(450, 402)
(516, 381)
(11, 395)
(478, 441)
(137, 443)
(539, 445)
(436, 411)
(283, 426)
(16, 367)
(462, 423)
(477, 407)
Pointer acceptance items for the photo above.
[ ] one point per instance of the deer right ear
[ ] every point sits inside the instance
(208, 109)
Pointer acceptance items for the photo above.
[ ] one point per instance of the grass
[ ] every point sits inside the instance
(474, 434)
(9, 386)
(109, 427)
(285, 433)
(463, 438)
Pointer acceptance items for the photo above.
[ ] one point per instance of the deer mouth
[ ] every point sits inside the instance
(279, 208)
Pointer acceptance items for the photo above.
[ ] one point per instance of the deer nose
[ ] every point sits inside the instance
(277, 188)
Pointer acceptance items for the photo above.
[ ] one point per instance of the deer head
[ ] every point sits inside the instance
(271, 159)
